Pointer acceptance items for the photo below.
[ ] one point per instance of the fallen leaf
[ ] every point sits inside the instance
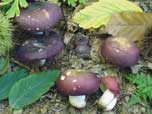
(100, 12)
(132, 25)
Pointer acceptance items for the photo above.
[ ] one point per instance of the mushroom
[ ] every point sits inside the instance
(110, 86)
(39, 16)
(83, 51)
(77, 83)
(82, 46)
(81, 39)
(40, 48)
(120, 51)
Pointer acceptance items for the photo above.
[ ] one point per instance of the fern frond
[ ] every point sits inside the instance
(140, 80)
(5, 34)
(135, 99)
(74, 2)
(143, 88)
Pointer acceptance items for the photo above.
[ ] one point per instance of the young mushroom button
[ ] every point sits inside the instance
(39, 16)
(110, 86)
(40, 48)
(76, 84)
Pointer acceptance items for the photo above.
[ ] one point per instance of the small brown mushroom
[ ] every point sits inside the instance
(76, 84)
(110, 86)
(111, 83)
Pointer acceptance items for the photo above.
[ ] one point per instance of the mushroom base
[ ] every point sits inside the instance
(42, 62)
(78, 101)
(107, 100)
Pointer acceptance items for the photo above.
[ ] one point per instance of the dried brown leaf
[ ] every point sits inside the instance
(132, 25)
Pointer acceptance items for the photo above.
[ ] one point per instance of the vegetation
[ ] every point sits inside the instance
(22, 89)
(143, 89)
(5, 34)
(74, 2)
(102, 9)
(12, 7)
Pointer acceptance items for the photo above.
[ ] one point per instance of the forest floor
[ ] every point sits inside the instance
(53, 103)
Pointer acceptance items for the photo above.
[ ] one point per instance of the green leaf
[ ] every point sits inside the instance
(132, 25)
(4, 64)
(5, 2)
(23, 3)
(8, 80)
(74, 2)
(13, 9)
(82, 1)
(30, 89)
(100, 12)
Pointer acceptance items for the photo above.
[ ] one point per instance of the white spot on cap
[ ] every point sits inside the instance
(74, 89)
(37, 28)
(33, 19)
(62, 77)
(74, 81)
(46, 14)
(68, 73)
(117, 50)
(29, 16)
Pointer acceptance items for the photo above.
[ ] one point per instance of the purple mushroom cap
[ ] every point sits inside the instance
(40, 48)
(39, 16)
(77, 82)
(111, 83)
(120, 51)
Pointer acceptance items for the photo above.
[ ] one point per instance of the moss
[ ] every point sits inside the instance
(5, 34)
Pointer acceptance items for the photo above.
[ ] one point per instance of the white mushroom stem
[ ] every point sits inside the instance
(107, 100)
(42, 62)
(78, 101)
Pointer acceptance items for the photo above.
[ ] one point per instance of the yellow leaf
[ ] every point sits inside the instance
(100, 12)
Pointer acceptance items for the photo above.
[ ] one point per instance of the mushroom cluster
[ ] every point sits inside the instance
(120, 51)
(77, 83)
(38, 18)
